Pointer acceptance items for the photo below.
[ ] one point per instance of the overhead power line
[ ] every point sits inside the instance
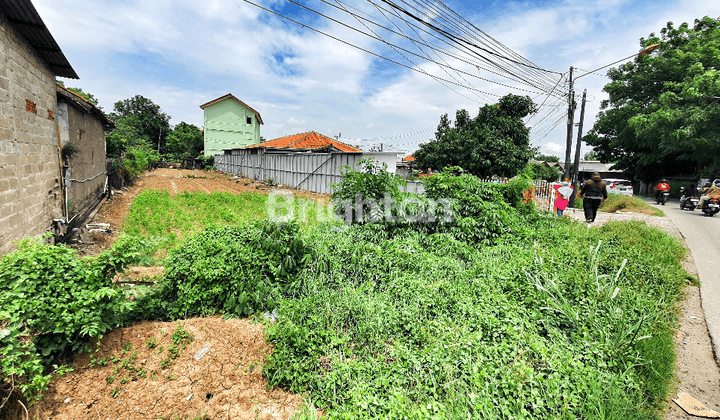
(368, 51)
(394, 46)
(458, 39)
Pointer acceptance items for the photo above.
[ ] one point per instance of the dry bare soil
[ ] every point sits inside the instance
(218, 375)
(226, 382)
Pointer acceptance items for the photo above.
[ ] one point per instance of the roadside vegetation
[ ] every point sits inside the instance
(501, 312)
(618, 202)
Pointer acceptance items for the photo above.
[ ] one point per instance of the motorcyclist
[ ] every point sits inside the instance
(712, 192)
(690, 191)
(662, 186)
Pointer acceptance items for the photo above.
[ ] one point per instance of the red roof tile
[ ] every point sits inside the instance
(228, 96)
(309, 140)
(408, 158)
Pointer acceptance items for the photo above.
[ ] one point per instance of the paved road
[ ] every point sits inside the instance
(702, 235)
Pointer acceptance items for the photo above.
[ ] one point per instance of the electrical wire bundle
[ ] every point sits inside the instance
(428, 37)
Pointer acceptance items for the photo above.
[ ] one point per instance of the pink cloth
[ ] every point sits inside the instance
(560, 202)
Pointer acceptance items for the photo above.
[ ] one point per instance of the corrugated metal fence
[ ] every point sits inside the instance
(316, 171)
(305, 171)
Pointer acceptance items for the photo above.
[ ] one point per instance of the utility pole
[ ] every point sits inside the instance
(576, 167)
(571, 114)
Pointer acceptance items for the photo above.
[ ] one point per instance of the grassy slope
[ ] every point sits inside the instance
(157, 213)
(416, 326)
(426, 327)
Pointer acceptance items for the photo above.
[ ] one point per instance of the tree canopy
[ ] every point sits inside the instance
(540, 171)
(547, 158)
(496, 142)
(150, 123)
(661, 118)
(186, 140)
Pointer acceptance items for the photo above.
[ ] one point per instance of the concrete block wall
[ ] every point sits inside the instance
(84, 131)
(30, 181)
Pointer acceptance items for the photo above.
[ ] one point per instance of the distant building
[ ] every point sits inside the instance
(405, 167)
(229, 123)
(587, 167)
(31, 183)
(309, 141)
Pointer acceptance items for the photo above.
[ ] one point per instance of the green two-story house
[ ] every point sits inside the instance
(229, 123)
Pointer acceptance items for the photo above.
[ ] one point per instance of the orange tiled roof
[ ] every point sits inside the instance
(230, 95)
(309, 140)
(408, 158)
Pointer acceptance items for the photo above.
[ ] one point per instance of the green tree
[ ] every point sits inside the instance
(148, 119)
(186, 140)
(540, 171)
(125, 136)
(547, 158)
(496, 142)
(661, 118)
(591, 155)
(89, 96)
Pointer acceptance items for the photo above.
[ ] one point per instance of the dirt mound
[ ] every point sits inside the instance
(133, 375)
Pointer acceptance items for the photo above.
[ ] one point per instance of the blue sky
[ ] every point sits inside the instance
(184, 53)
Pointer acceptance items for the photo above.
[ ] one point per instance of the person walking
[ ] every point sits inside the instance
(593, 192)
(563, 191)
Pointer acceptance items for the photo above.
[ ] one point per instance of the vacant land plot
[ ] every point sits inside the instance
(175, 182)
(502, 313)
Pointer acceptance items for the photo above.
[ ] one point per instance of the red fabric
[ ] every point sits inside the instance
(560, 202)
(663, 186)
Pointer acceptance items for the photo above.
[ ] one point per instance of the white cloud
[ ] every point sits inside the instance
(297, 78)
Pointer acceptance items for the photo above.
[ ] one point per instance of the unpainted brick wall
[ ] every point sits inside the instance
(30, 182)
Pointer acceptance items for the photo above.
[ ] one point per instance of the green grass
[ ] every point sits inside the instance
(155, 213)
(416, 326)
(555, 321)
(616, 202)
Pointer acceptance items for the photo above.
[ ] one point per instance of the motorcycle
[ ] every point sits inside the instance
(711, 207)
(663, 197)
(687, 201)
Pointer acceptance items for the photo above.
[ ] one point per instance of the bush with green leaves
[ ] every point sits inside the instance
(206, 162)
(52, 301)
(361, 195)
(567, 323)
(234, 270)
(483, 212)
(137, 160)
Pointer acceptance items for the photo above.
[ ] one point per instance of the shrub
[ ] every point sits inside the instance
(207, 162)
(53, 301)
(373, 184)
(483, 212)
(235, 270)
(575, 323)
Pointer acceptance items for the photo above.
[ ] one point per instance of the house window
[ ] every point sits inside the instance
(249, 120)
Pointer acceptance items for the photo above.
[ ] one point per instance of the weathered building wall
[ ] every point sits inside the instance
(30, 183)
(83, 139)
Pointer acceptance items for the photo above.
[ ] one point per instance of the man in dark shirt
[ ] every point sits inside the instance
(593, 193)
